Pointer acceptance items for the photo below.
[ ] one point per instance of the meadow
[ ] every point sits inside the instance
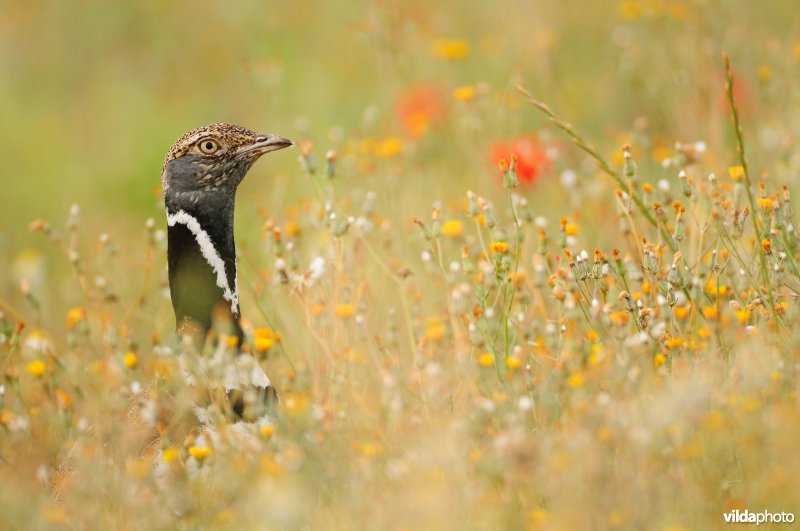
(530, 265)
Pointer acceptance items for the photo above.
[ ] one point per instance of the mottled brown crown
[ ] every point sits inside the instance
(229, 135)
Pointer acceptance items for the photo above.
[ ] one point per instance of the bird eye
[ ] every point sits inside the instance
(208, 146)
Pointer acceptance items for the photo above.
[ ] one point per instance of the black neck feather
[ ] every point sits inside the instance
(197, 296)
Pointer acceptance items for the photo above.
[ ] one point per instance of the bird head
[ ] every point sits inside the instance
(214, 159)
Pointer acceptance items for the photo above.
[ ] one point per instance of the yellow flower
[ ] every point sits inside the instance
(629, 10)
(270, 466)
(267, 332)
(712, 291)
(736, 173)
(294, 404)
(263, 344)
(680, 312)
(710, 313)
(575, 380)
(499, 247)
(766, 204)
(704, 332)
(450, 49)
(674, 342)
(75, 316)
(291, 228)
(513, 363)
(434, 332)
(465, 93)
(389, 147)
(345, 310)
(452, 228)
(130, 360)
(619, 318)
(200, 452)
(659, 360)
(170, 454)
(37, 368)
(370, 449)
(743, 316)
(232, 341)
(486, 360)
(572, 229)
(267, 431)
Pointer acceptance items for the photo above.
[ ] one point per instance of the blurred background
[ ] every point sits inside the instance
(388, 363)
(415, 96)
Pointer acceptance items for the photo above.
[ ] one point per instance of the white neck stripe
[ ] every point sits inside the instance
(210, 254)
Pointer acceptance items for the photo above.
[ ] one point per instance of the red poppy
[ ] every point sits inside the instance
(420, 108)
(532, 158)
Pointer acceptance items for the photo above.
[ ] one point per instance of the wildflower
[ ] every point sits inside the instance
(170, 454)
(130, 360)
(710, 313)
(465, 93)
(232, 341)
(743, 315)
(766, 245)
(680, 312)
(486, 360)
(450, 49)
(267, 333)
(267, 431)
(576, 380)
(517, 278)
(766, 204)
(513, 363)
(294, 404)
(736, 173)
(704, 332)
(452, 228)
(499, 247)
(200, 452)
(630, 10)
(659, 360)
(345, 311)
(532, 157)
(389, 147)
(292, 228)
(418, 109)
(63, 399)
(434, 331)
(370, 449)
(572, 229)
(6, 417)
(538, 516)
(37, 368)
(674, 342)
(75, 316)
(619, 318)
(263, 344)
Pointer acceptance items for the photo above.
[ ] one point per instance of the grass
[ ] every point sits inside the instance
(506, 280)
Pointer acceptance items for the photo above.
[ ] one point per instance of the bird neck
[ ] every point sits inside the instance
(201, 255)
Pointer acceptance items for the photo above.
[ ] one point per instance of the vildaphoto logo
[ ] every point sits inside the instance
(764, 517)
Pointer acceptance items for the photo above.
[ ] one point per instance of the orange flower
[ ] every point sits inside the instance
(532, 158)
(419, 109)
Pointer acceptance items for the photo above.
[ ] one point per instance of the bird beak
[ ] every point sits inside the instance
(264, 144)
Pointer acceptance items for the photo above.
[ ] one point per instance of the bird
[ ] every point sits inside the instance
(199, 179)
